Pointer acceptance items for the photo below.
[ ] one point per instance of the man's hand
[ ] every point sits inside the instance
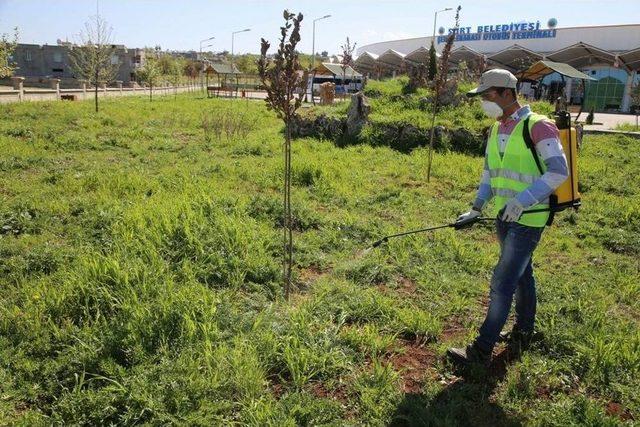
(466, 218)
(512, 211)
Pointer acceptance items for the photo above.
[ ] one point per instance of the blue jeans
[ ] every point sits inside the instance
(512, 275)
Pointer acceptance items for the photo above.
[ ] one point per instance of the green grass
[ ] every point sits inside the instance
(140, 277)
(629, 127)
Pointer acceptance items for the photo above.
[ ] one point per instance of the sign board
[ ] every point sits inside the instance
(512, 31)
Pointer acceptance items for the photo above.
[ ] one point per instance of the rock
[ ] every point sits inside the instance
(465, 141)
(424, 103)
(357, 114)
(449, 96)
(319, 127)
(327, 93)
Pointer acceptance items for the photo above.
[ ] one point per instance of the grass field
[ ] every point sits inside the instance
(629, 127)
(140, 278)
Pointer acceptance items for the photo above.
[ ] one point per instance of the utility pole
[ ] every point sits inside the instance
(202, 41)
(313, 50)
(232, 37)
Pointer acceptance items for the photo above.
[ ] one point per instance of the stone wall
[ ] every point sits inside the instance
(355, 128)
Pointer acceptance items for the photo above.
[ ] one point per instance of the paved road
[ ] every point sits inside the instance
(606, 121)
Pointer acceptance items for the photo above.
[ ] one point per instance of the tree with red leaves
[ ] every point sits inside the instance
(282, 77)
(440, 85)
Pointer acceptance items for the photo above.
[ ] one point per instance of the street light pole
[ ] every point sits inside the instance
(313, 49)
(205, 40)
(435, 17)
(202, 41)
(313, 42)
(232, 37)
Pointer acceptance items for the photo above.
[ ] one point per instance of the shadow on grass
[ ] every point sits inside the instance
(465, 402)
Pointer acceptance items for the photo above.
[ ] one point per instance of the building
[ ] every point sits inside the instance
(52, 61)
(608, 53)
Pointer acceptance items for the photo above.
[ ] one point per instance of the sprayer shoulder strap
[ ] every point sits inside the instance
(526, 134)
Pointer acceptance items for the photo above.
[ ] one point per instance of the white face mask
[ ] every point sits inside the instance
(491, 109)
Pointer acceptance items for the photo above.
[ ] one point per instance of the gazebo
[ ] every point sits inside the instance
(224, 73)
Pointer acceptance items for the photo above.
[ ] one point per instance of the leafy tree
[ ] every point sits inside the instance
(433, 62)
(92, 58)
(305, 60)
(192, 69)
(281, 78)
(7, 46)
(166, 63)
(175, 72)
(247, 63)
(151, 72)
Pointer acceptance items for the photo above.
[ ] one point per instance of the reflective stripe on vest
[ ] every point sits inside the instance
(515, 171)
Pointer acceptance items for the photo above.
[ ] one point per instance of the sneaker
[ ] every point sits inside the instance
(469, 355)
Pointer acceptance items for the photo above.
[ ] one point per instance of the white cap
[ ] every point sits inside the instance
(494, 78)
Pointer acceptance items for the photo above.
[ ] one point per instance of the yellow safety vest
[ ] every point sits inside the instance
(515, 171)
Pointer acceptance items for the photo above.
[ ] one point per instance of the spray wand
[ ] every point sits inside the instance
(457, 225)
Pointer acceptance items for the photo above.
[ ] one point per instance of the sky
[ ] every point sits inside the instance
(181, 25)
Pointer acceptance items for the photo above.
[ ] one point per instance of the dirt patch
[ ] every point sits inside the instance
(278, 390)
(415, 363)
(615, 409)
(307, 277)
(339, 393)
(543, 392)
(452, 329)
(404, 287)
(407, 286)
(310, 274)
(412, 184)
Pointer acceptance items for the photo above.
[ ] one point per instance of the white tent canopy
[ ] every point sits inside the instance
(515, 57)
(366, 62)
(582, 55)
(631, 59)
(465, 54)
(419, 56)
(391, 58)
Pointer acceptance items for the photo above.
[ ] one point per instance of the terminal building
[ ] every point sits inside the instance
(610, 54)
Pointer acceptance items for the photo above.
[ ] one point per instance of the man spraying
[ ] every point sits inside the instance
(513, 179)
